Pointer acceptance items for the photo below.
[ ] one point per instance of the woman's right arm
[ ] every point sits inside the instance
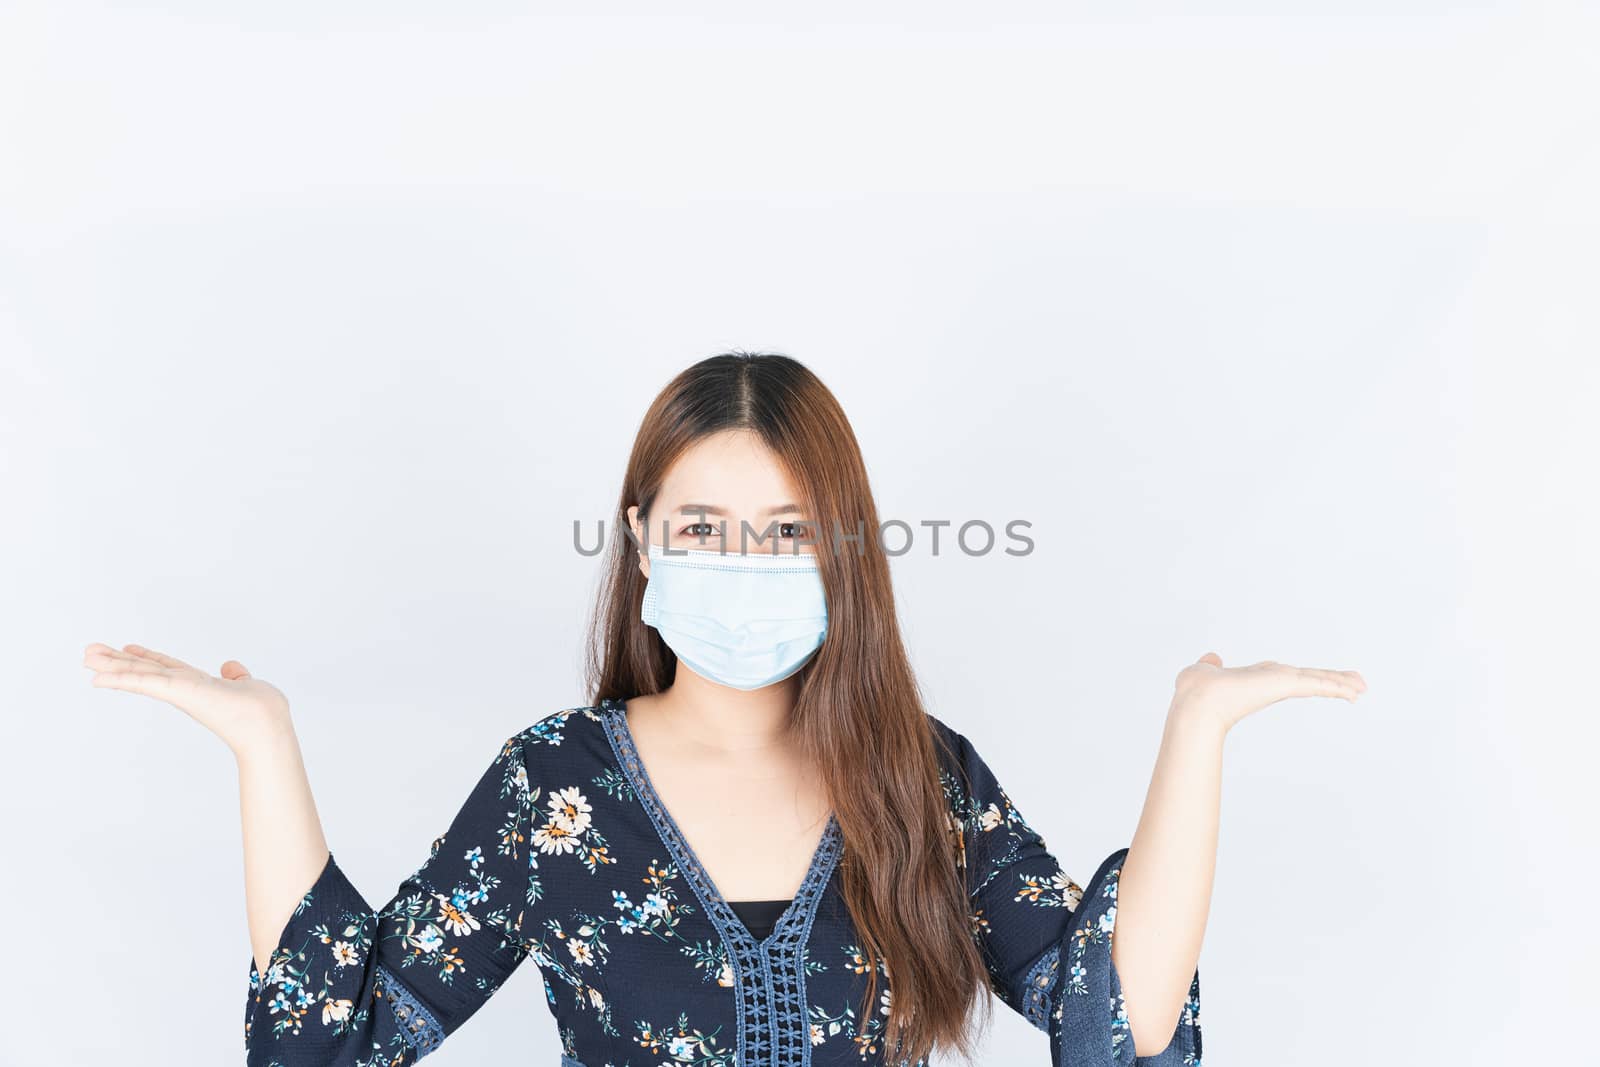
(284, 848)
(334, 981)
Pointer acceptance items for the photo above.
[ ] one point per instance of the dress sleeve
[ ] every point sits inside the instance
(350, 986)
(1047, 941)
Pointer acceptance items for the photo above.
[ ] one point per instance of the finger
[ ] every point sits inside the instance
(1317, 682)
(160, 657)
(158, 684)
(233, 670)
(106, 652)
(1211, 658)
(1350, 678)
(110, 662)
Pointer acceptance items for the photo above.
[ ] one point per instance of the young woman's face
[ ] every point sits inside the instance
(715, 488)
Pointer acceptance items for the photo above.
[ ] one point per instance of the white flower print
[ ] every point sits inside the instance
(554, 837)
(1071, 892)
(336, 1011)
(428, 940)
(455, 920)
(570, 809)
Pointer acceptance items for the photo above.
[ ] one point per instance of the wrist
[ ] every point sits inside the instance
(1197, 721)
(267, 742)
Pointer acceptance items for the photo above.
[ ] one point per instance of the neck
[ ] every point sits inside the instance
(733, 721)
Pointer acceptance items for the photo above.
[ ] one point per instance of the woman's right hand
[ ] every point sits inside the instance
(238, 708)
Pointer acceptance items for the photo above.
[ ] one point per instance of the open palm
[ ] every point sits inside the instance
(1228, 694)
(233, 705)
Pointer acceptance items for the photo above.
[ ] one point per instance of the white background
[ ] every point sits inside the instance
(321, 323)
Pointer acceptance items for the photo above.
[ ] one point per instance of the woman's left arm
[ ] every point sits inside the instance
(1165, 885)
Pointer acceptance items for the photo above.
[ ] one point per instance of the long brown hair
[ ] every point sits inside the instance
(859, 715)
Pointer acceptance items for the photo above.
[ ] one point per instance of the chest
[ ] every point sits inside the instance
(645, 961)
(755, 835)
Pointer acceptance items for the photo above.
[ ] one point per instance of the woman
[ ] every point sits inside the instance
(753, 847)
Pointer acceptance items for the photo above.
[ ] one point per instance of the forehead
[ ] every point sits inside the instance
(733, 469)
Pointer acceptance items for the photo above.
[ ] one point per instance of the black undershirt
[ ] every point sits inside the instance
(759, 916)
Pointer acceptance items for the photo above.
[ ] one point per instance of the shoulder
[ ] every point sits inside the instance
(563, 737)
(943, 732)
(955, 750)
(973, 792)
(962, 772)
(557, 727)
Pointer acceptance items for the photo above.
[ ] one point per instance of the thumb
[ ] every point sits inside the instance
(233, 670)
(1211, 658)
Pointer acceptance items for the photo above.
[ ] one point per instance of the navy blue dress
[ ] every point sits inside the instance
(564, 854)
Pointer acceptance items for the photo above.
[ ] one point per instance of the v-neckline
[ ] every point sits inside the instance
(798, 914)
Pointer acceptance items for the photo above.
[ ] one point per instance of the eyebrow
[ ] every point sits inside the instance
(711, 509)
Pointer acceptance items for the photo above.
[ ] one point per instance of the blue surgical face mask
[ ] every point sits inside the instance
(743, 621)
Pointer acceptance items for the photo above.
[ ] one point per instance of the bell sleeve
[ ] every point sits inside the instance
(354, 986)
(1046, 941)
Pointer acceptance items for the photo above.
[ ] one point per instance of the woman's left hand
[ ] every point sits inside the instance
(1221, 696)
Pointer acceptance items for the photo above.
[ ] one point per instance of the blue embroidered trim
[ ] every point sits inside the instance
(417, 1024)
(769, 975)
(1041, 981)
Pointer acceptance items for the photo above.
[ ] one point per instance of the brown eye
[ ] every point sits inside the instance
(701, 530)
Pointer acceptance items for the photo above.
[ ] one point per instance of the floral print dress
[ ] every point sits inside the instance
(563, 854)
